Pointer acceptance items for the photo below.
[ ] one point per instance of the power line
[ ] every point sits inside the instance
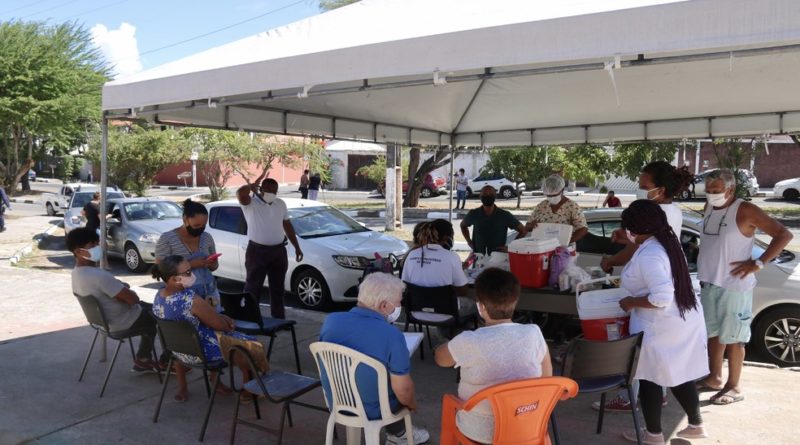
(223, 28)
(95, 9)
(23, 7)
(61, 5)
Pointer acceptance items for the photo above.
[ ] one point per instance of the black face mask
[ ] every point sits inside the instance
(488, 201)
(195, 232)
(448, 244)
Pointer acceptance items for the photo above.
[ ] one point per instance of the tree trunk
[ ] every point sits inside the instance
(440, 158)
(414, 183)
(26, 185)
(519, 195)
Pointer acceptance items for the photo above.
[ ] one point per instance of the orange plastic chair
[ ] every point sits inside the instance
(521, 408)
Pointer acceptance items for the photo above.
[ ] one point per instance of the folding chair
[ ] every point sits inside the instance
(276, 386)
(435, 306)
(97, 320)
(182, 337)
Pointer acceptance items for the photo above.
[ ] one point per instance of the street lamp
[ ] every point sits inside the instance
(194, 156)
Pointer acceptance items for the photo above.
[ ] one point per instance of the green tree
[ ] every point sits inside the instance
(523, 164)
(329, 5)
(628, 159)
(50, 84)
(219, 154)
(583, 163)
(735, 155)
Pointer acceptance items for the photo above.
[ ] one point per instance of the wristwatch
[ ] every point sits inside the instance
(759, 264)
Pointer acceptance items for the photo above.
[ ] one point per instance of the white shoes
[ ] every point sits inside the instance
(421, 436)
(693, 432)
(647, 438)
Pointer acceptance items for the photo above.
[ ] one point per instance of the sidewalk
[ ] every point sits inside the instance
(21, 232)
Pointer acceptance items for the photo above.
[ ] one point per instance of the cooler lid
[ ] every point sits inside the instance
(602, 303)
(529, 246)
(562, 232)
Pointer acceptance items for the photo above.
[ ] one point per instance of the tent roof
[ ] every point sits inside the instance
(506, 72)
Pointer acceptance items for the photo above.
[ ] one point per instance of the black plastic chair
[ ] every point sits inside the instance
(248, 320)
(182, 337)
(603, 366)
(278, 387)
(97, 320)
(435, 306)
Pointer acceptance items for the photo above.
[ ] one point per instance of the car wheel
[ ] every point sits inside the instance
(133, 259)
(686, 194)
(426, 192)
(51, 211)
(791, 194)
(776, 336)
(507, 192)
(469, 192)
(311, 289)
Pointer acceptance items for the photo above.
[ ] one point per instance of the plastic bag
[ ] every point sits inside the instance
(574, 275)
(562, 259)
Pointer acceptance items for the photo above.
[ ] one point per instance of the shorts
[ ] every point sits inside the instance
(728, 313)
(461, 194)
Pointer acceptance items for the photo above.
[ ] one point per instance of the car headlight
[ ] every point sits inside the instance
(150, 238)
(350, 261)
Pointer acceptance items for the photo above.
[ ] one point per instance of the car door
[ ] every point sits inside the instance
(116, 233)
(229, 230)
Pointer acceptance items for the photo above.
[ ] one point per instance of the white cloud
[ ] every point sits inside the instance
(119, 47)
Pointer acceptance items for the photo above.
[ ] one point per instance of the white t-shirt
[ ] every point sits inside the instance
(432, 265)
(489, 356)
(265, 221)
(674, 217)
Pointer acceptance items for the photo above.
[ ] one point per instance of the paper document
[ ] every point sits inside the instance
(413, 340)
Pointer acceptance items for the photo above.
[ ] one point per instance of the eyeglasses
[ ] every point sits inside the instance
(721, 222)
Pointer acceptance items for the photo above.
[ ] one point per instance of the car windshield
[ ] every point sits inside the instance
(317, 222)
(81, 199)
(137, 211)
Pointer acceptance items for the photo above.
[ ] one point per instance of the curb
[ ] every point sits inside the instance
(23, 201)
(19, 254)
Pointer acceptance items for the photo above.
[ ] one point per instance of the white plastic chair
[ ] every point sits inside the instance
(340, 363)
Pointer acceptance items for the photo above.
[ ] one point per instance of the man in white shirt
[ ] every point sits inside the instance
(462, 182)
(268, 227)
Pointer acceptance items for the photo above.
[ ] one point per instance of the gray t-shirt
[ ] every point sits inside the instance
(99, 283)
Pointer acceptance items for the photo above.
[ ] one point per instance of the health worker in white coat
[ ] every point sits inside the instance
(665, 307)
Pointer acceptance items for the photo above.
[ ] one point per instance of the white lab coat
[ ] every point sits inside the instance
(674, 350)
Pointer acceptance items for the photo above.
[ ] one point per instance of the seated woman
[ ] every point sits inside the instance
(177, 301)
(499, 352)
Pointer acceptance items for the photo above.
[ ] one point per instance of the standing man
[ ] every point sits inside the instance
(268, 227)
(726, 271)
(313, 186)
(461, 188)
(558, 209)
(304, 185)
(91, 211)
(4, 202)
(491, 225)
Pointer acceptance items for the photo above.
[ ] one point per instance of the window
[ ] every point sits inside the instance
(228, 219)
(598, 240)
(317, 222)
(142, 210)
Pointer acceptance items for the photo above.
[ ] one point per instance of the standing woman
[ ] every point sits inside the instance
(192, 242)
(664, 306)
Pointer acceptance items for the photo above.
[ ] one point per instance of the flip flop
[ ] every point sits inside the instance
(726, 398)
(704, 387)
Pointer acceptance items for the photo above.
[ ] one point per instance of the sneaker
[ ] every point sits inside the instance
(693, 432)
(420, 436)
(143, 366)
(618, 404)
(647, 438)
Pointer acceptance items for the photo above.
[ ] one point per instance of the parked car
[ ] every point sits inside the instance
(55, 203)
(434, 185)
(699, 188)
(73, 217)
(336, 249)
(788, 189)
(135, 225)
(776, 298)
(505, 189)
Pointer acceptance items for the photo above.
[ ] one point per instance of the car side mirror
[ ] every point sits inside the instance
(113, 220)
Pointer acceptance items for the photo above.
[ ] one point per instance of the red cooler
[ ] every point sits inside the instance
(600, 314)
(529, 260)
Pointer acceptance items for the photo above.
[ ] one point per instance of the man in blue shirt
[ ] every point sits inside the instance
(367, 328)
(4, 202)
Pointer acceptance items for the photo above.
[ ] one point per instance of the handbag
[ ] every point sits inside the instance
(255, 348)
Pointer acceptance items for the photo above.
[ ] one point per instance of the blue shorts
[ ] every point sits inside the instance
(728, 313)
(461, 194)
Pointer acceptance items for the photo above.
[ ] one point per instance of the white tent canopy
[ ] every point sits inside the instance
(505, 72)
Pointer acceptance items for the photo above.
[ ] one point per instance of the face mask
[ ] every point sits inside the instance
(631, 237)
(488, 201)
(644, 194)
(554, 200)
(189, 281)
(448, 244)
(480, 312)
(716, 199)
(95, 254)
(269, 198)
(391, 318)
(195, 232)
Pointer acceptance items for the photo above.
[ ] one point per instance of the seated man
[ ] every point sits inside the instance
(501, 351)
(121, 306)
(367, 328)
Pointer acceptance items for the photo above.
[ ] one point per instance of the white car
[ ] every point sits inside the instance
(336, 249)
(505, 189)
(776, 298)
(788, 189)
(73, 217)
(698, 190)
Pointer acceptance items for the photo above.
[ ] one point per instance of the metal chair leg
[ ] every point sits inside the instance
(205, 379)
(296, 354)
(257, 407)
(283, 420)
(88, 355)
(289, 413)
(158, 369)
(210, 405)
(602, 411)
(235, 417)
(269, 348)
(632, 398)
(130, 344)
(554, 429)
(163, 391)
(110, 367)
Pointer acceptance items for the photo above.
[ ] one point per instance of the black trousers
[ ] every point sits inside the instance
(650, 399)
(147, 322)
(303, 192)
(266, 262)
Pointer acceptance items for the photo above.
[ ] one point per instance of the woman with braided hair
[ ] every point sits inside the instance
(664, 306)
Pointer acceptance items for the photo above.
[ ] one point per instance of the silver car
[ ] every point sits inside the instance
(776, 298)
(73, 216)
(135, 226)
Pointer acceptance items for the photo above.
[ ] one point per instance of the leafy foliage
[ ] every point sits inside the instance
(522, 164)
(735, 154)
(630, 158)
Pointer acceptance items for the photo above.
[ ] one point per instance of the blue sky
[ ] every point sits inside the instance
(131, 32)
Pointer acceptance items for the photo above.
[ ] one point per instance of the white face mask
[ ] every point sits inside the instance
(391, 318)
(716, 199)
(480, 312)
(554, 200)
(644, 194)
(189, 281)
(269, 198)
(95, 254)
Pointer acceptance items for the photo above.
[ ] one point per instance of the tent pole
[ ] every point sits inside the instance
(389, 186)
(452, 181)
(103, 186)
